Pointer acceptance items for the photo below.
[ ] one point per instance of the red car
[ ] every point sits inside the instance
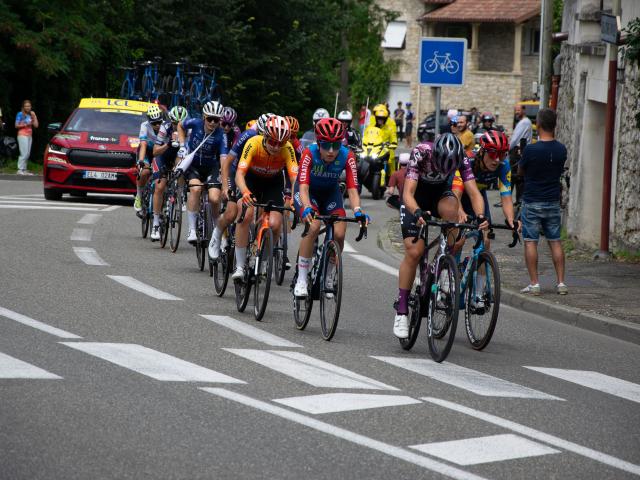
(95, 150)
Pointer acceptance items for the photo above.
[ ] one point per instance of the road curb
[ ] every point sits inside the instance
(22, 178)
(612, 327)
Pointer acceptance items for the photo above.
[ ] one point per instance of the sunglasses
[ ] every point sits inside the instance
(499, 154)
(226, 124)
(330, 145)
(212, 119)
(156, 122)
(274, 143)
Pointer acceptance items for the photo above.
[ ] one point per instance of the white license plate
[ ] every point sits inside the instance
(100, 175)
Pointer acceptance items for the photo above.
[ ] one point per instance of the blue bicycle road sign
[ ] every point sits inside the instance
(442, 61)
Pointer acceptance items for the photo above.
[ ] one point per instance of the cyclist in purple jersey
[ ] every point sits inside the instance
(427, 189)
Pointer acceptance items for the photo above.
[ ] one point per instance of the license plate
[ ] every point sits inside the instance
(100, 175)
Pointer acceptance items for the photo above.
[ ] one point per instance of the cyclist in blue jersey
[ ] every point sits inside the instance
(229, 167)
(317, 190)
(147, 136)
(165, 151)
(200, 160)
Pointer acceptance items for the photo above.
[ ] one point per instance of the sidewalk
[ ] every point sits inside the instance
(603, 296)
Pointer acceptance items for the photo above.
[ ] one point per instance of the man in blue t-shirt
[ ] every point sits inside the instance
(542, 165)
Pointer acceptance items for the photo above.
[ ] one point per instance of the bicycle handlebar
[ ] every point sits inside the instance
(334, 218)
(268, 207)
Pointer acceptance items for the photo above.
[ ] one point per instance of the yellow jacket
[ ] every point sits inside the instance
(388, 132)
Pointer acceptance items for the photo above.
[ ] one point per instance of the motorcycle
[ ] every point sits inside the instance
(374, 157)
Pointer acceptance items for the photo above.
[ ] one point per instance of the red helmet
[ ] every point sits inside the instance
(294, 124)
(329, 130)
(494, 140)
(277, 129)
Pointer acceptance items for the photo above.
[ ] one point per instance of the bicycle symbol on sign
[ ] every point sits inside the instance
(443, 62)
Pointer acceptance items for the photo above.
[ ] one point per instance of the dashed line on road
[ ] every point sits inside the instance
(51, 207)
(142, 287)
(13, 368)
(383, 267)
(90, 218)
(250, 331)
(89, 256)
(30, 322)
(345, 402)
(111, 208)
(81, 235)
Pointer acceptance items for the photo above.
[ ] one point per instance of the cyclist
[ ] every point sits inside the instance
(259, 177)
(319, 114)
(351, 135)
(427, 189)
(387, 125)
(148, 134)
(486, 124)
(165, 151)
(295, 141)
(202, 166)
(318, 190)
(231, 130)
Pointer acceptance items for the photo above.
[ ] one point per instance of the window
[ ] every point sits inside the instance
(394, 35)
(459, 30)
(531, 44)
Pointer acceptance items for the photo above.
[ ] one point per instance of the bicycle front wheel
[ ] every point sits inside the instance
(280, 253)
(221, 269)
(414, 320)
(442, 313)
(301, 305)
(482, 301)
(145, 218)
(330, 290)
(263, 273)
(175, 218)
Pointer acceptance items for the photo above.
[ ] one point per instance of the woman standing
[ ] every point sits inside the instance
(26, 121)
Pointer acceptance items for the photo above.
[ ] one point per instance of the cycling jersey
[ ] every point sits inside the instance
(319, 174)
(236, 150)
(257, 160)
(208, 155)
(297, 147)
(421, 172)
(232, 137)
(484, 178)
(168, 157)
(147, 134)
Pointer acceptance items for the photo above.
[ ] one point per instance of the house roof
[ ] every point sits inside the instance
(429, 2)
(484, 11)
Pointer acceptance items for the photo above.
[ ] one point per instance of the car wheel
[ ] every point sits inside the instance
(52, 194)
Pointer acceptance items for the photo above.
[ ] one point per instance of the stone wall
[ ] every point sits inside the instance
(495, 43)
(529, 74)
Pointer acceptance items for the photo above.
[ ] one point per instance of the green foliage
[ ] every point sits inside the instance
(632, 55)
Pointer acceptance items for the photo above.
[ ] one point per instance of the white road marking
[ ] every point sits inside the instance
(90, 218)
(376, 264)
(597, 381)
(344, 402)
(151, 363)
(466, 378)
(81, 235)
(143, 287)
(89, 256)
(387, 449)
(18, 317)
(111, 208)
(250, 331)
(51, 207)
(35, 195)
(34, 201)
(540, 436)
(310, 370)
(13, 368)
(494, 448)
(348, 248)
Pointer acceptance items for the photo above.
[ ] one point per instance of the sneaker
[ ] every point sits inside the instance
(214, 248)
(300, 290)
(532, 289)
(238, 273)
(192, 238)
(477, 303)
(27, 172)
(562, 289)
(137, 204)
(20, 172)
(401, 326)
(155, 233)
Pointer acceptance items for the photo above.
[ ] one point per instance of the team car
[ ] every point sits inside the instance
(95, 150)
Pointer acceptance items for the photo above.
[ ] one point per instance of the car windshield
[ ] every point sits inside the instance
(105, 121)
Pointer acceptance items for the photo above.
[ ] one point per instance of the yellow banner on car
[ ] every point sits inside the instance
(114, 104)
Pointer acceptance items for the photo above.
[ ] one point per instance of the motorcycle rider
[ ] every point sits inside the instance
(387, 127)
(351, 135)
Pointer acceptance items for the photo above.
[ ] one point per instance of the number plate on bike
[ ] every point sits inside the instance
(100, 175)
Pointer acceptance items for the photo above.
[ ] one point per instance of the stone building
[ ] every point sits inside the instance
(502, 61)
(582, 103)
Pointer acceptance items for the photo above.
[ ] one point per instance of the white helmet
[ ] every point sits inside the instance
(320, 113)
(345, 116)
(154, 113)
(213, 109)
(262, 122)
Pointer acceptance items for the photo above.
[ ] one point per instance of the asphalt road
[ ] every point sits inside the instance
(98, 380)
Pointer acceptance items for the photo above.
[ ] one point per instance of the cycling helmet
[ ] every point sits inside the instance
(277, 129)
(381, 111)
(487, 117)
(154, 113)
(403, 159)
(177, 114)
(293, 124)
(421, 153)
(494, 140)
(448, 154)
(320, 113)
(262, 122)
(249, 124)
(345, 116)
(229, 115)
(329, 130)
(213, 109)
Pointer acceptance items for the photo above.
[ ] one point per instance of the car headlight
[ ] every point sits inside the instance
(53, 148)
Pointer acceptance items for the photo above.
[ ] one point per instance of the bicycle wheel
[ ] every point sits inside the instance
(147, 86)
(442, 312)
(175, 218)
(242, 289)
(301, 305)
(330, 290)
(164, 221)
(221, 268)
(280, 253)
(263, 274)
(482, 301)
(200, 234)
(145, 218)
(124, 89)
(414, 320)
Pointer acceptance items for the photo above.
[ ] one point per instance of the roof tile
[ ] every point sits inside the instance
(484, 11)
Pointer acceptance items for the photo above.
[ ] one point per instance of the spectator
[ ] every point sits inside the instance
(363, 120)
(464, 134)
(396, 181)
(398, 116)
(451, 114)
(542, 165)
(474, 119)
(523, 128)
(408, 129)
(26, 121)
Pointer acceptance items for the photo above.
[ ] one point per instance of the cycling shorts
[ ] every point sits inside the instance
(326, 201)
(427, 197)
(205, 175)
(266, 189)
